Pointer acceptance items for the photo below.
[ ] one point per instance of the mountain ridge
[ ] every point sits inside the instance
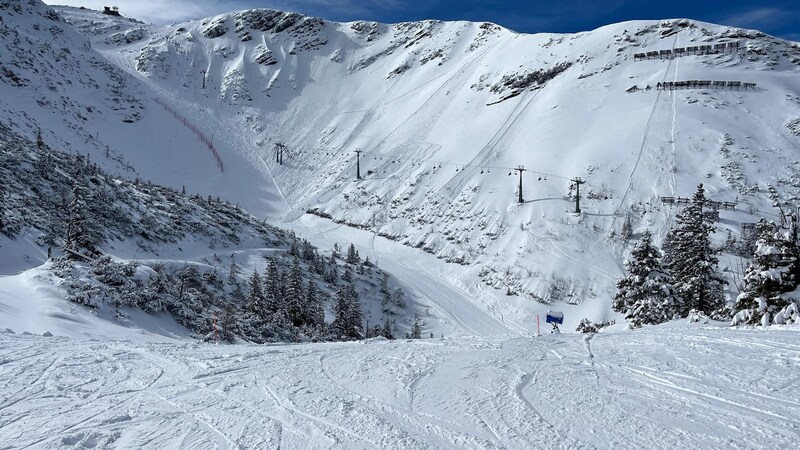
(413, 97)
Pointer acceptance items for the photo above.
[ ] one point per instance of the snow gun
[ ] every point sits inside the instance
(555, 318)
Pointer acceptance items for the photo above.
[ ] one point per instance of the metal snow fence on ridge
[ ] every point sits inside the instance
(725, 47)
(188, 124)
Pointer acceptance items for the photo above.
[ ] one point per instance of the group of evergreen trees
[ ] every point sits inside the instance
(684, 279)
(74, 205)
(771, 278)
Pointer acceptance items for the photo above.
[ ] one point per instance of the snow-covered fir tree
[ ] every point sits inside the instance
(416, 330)
(272, 288)
(314, 312)
(347, 323)
(294, 297)
(627, 228)
(79, 239)
(693, 261)
(386, 331)
(352, 255)
(255, 299)
(773, 273)
(644, 295)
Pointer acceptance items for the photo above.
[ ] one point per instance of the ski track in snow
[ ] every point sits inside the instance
(657, 389)
(647, 133)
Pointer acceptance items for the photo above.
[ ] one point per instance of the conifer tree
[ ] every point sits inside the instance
(416, 331)
(627, 228)
(387, 329)
(79, 238)
(693, 262)
(308, 251)
(294, 297)
(340, 323)
(272, 290)
(347, 276)
(355, 316)
(255, 299)
(352, 255)
(773, 272)
(316, 315)
(644, 295)
(348, 322)
(233, 274)
(332, 276)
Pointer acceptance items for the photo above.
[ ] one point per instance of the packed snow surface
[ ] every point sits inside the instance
(666, 387)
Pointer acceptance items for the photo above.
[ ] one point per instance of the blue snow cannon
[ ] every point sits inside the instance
(555, 318)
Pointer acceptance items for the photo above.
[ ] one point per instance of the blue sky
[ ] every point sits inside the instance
(779, 17)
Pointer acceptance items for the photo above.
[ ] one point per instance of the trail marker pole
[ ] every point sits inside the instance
(537, 326)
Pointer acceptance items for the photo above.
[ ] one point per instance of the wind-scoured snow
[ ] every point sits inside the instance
(668, 387)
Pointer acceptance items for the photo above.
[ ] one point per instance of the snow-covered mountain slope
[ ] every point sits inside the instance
(443, 111)
(661, 388)
(53, 80)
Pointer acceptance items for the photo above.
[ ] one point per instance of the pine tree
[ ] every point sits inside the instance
(255, 299)
(308, 251)
(644, 295)
(627, 229)
(347, 276)
(340, 323)
(294, 297)
(79, 238)
(348, 322)
(693, 262)
(773, 272)
(332, 276)
(387, 329)
(355, 317)
(272, 289)
(39, 140)
(416, 331)
(233, 274)
(227, 323)
(316, 315)
(352, 255)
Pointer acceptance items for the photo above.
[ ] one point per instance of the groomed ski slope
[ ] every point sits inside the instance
(667, 387)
